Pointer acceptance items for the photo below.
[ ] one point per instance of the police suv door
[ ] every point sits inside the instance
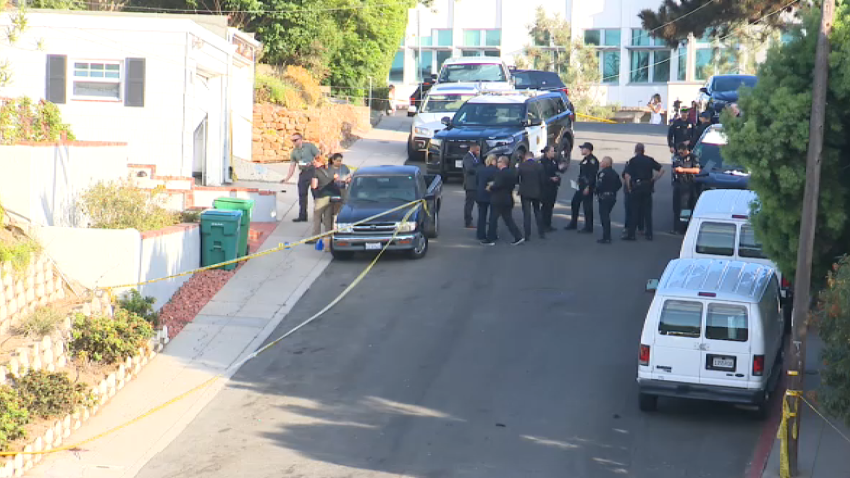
(536, 129)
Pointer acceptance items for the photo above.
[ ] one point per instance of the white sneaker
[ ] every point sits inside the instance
(518, 241)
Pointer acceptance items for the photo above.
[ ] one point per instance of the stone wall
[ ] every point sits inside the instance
(22, 293)
(330, 127)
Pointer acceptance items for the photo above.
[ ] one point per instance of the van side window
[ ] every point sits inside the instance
(726, 322)
(748, 246)
(716, 238)
(770, 306)
(680, 318)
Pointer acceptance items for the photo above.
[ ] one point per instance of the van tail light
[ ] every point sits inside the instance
(758, 365)
(644, 355)
(740, 216)
(786, 284)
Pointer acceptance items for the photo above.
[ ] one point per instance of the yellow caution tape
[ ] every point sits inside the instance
(601, 120)
(413, 206)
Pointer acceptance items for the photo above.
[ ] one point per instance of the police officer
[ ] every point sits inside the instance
(607, 184)
(681, 130)
(551, 182)
(302, 156)
(583, 197)
(699, 129)
(685, 166)
(471, 163)
(627, 206)
(641, 175)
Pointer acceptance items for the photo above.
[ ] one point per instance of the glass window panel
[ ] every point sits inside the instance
(494, 53)
(444, 37)
(426, 41)
(610, 67)
(727, 62)
(112, 68)
(640, 37)
(703, 67)
(593, 37)
(748, 245)
(682, 67)
(471, 37)
(726, 322)
(442, 56)
(493, 38)
(97, 89)
(661, 67)
(426, 64)
(681, 318)
(397, 70)
(612, 37)
(716, 238)
(639, 67)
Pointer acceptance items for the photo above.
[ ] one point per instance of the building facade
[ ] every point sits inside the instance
(177, 89)
(633, 65)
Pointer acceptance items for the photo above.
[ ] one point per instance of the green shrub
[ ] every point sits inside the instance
(13, 416)
(118, 205)
(23, 120)
(50, 394)
(833, 318)
(141, 306)
(105, 339)
(274, 90)
(190, 216)
(43, 321)
(18, 251)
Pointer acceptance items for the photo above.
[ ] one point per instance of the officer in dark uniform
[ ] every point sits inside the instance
(681, 130)
(699, 129)
(583, 197)
(551, 182)
(627, 206)
(607, 185)
(641, 175)
(685, 166)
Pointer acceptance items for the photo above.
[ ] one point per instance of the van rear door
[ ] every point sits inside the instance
(726, 359)
(675, 353)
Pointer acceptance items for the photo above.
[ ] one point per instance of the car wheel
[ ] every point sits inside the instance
(420, 249)
(412, 154)
(434, 230)
(566, 148)
(341, 255)
(647, 403)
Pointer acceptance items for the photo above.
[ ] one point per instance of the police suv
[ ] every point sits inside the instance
(509, 124)
(443, 100)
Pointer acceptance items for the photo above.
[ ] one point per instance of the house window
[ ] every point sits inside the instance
(397, 69)
(642, 38)
(682, 67)
(444, 37)
(426, 65)
(602, 37)
(97, 80)
(482, 38)
(651, 65)
(494, 53)
(607, 42)
(714, 61)
(442, 56)
(609, 62)
(425, 41)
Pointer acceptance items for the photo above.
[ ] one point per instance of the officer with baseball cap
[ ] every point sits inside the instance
(583, 197)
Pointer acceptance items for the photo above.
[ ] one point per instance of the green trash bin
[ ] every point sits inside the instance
(247, 207)
(220, 237)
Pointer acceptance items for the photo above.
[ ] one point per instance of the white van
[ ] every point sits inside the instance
(441, 101)
(491, 72)
(720, 228)
(713, 332)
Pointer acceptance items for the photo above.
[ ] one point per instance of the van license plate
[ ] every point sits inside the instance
(373, 246)
(459, 164)
(723, 363)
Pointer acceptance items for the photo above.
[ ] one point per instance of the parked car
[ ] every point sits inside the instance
(720, 228)
(715, 172)
(509, 125)
(714, 331)
(545, 81)
(722, 90)
(442, 101)
(378, 189)
(492, 72)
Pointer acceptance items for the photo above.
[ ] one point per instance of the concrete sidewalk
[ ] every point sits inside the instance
(232, 325)
(823, 452)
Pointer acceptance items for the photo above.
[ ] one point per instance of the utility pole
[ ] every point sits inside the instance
(419, 46)
(802, 280)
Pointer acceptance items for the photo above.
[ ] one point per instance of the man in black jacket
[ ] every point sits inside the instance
(607, 185)
(641, 174)
(502, 202)
(680, 131)
(583, 197)
(699, 129)
(530, 174)
(551, 182)
(471, 162)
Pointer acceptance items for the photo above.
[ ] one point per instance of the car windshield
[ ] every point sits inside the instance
(383, 188)
(544, 80)
(490, 114)
(444, 103)
(472, 72)
(733, 83)
(711, 159)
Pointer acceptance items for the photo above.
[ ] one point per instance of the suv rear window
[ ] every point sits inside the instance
(681, 318)
(726, 322)
(716, 238)
(748, 246)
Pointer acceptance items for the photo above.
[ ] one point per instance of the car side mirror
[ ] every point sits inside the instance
(703, 90)
(652, 285)
(446, 121)
(535, 122)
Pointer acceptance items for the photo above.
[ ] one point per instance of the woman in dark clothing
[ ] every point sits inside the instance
(484, 175)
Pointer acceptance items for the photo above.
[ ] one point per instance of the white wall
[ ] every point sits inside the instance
(166, 252)
(44, 182)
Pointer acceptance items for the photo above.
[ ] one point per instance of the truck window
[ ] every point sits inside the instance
(472, 73)
(727, 322)
(444, 103)
(680, 318)
(490, 114)
(383, 188)
(716, 238)
(748, 246)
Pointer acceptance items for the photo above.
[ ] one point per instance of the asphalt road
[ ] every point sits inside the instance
(476, 362)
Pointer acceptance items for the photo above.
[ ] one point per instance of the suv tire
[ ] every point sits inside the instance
(433, 231)
(412, 154)
(419, 252)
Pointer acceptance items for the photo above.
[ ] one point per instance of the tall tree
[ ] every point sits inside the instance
(676, 19)
(771, 138)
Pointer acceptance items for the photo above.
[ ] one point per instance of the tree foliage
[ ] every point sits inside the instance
(771, 139)
(676, 19)
(833, 315)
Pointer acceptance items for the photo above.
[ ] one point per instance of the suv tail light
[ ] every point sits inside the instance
(566, 91)
(786, 284)
(758, 365)
(644, 355)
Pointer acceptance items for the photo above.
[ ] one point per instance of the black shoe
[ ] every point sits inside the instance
(550, 229)
(585, 231)
(628, 238)
(604, 241)
(571, 227)
(488, 243)
(518, 241)
(300, 219)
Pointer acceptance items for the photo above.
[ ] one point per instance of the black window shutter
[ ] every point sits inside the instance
(134, 83)
(56, 86)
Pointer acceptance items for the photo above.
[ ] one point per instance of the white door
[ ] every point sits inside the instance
(675, 354)
(536, 134)
(726, 358)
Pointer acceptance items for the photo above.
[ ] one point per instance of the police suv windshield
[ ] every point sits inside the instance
(472, 72)
(490, 114)
(733, 83)
(444, 103)
(710, 158)
(383, 188)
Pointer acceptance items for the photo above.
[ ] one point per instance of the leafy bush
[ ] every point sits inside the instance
(105, 339)
(50, 394)
(273, 90)
(18, 251)
(43, 321)
(118, 205)
(141, 306)
(13, 416)
(190, 216)
(305, 83)
(23, 120)
(833, 314)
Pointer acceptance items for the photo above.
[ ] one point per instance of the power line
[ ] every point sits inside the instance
(131, 8)
(681, 16)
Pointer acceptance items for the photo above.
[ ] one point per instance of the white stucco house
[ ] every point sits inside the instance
(178, 89)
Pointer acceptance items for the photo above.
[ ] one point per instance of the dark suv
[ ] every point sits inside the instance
(502, 124)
